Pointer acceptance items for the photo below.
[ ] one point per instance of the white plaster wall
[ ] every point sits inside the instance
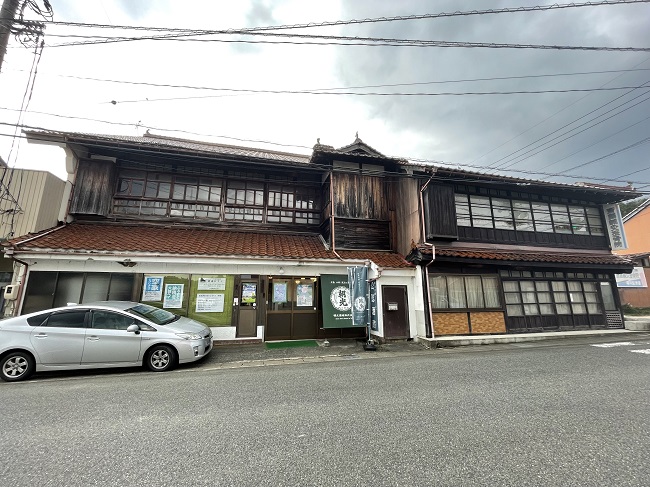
(148, 264)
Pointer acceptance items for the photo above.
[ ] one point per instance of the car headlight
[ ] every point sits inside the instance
(189, 336)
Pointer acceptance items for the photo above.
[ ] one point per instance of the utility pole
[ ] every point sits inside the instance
(7, 15)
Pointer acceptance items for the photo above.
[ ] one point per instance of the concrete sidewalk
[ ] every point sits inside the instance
(257, 355)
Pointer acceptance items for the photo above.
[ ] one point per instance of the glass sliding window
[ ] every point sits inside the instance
(158, 186)
(523, 216)
(595, 222)
(542, 217)
(462, 210)
(481, 211)
(577, 298)
(561, 298)
(502, 213)
(456, 289)
(561, 223)
(474, 289)
(578, 220)
(491, 292)
(464, 292)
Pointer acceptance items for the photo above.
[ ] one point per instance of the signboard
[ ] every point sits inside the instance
(358, 279)
(615, 228)
(210, 303)
(635, 279)
(374, 315)
(212, 284)
(152, 288)
(337, 307)
(173, 296)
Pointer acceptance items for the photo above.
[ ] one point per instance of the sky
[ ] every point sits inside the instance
(598, 136)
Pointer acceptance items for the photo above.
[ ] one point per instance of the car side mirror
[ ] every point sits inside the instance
(133, 329)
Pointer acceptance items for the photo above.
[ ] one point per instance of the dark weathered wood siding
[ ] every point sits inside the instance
(93, 189)
(439, 212)
(543, 239)
(361, 234)
(360, 196)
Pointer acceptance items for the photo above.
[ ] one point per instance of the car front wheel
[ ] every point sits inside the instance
(16, 366)
(160, 358)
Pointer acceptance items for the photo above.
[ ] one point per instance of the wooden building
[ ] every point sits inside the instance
(248, 241)
(509, 255)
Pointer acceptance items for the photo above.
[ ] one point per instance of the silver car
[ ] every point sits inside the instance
(105, 334)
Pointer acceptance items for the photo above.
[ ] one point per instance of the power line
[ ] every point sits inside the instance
(356, 41)
(554, 114)
(546, 166)
(518, 159)
(391, 85)
(537, 8)
(631, 146)
(353, 93)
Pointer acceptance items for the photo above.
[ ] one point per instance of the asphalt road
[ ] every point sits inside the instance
(567, 413)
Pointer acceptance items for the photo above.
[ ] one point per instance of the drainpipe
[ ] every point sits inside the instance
(332, 235)
(428, 327)
(21, 286)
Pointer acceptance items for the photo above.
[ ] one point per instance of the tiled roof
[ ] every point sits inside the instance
(77, 238)
(603, 258)
(161, 142)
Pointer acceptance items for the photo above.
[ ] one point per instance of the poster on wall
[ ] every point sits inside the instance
(210, 303)
(248, 292)
(173, 296)
(212, 284)
(305, 294)
(279, 292)
(152, 288)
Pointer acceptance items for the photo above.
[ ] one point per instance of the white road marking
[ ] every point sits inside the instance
(646, 351)
(609, 345)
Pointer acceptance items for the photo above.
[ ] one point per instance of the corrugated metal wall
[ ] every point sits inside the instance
(39, 196)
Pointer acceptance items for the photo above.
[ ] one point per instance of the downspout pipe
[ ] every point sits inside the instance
(428, 326)
(332, 234)
(21, 287)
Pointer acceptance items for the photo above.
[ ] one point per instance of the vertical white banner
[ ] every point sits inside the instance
(615, 229)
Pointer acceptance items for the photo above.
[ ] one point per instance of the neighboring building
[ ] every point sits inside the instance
(514, 255)
(257, 243)
(633, 288)
(29, 202)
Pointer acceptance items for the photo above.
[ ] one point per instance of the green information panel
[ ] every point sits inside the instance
(170, 292)
(210, 300)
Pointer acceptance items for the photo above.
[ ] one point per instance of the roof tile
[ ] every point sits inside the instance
(190, 241)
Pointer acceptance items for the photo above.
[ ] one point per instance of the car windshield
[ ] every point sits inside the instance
(157, 315)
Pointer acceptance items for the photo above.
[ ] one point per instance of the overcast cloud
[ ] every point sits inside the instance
(478, 131)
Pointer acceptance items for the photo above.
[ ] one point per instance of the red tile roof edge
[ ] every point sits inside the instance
(192, 241)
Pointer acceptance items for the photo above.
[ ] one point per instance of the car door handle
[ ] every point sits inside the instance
(94, 338)
(41, 335)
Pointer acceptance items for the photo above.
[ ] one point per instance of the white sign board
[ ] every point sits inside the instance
(209, 303)
(635, 279)
(212, 284)
(173, 296)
